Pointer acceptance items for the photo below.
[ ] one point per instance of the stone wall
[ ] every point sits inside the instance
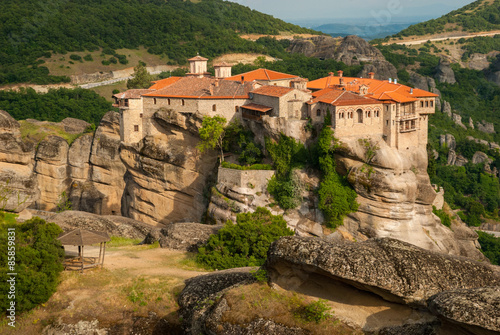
(131, 125)
(238, 179)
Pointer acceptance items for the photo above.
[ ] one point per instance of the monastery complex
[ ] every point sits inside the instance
(360, 107)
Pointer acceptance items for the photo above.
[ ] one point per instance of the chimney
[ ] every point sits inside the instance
(371, 75)
(216, 83)
(331, 74)
(342, 83)
(242, 79)
(340, 73)
(390, 80)
(411, 90)
(395, 81)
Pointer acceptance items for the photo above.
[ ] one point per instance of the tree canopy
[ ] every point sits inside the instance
(212, 134)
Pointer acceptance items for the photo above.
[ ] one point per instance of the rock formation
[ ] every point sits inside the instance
(186, 236)
(448, 140)
(486, 127)
(446, 108)
(419, 81)
(166, 175)
(444, 72)
(493, 72)
(458, 120)
(351, 50)
(395, 198)
(478, 62)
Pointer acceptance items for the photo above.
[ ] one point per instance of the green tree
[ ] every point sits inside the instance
(38, 262)
(212, 134)
(245, 243)
(140, 78)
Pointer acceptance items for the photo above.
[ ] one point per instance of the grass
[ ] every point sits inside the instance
(288, 308)
(37, 133)
(185, 261)
(8, 218)
(106, 91)
(118, 241)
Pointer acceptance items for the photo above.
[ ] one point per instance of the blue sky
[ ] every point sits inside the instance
(322, 9)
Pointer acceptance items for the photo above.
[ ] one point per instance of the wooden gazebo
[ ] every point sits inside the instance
(81, 238)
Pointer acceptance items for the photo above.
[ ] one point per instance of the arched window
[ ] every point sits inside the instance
(318, 112)
(214, 108)
(360, 115)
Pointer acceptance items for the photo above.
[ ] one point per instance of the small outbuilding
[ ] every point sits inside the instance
(81, 238)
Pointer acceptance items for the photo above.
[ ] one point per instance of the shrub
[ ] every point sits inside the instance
(445, 218)
(286, 191)
(245, 243)
(250, 167)
(490, 246)
(38, 262)
(75, 57)
(88, 58)
(315, 311)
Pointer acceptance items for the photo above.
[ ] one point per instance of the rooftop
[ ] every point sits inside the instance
(159, 84)
(261, 74)
(273, 91)
(132, 94)
(339, 97)
(197, 58)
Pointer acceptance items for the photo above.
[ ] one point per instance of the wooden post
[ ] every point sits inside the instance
(103, 253)
(100, 251)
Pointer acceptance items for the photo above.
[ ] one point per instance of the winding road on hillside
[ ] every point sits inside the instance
(422, 41)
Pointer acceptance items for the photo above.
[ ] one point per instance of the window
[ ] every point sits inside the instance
(183, 103)
(168, 101)
(214, 108)
(427, 104)
(360, 115)
(387, 108)
(432, 103)
(236, 109)
(421, 104)
(386, 122)
(140, 115)
(318, 112)
(136, 127)
(154, 101)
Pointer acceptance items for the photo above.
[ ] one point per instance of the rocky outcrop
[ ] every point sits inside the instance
(493, 72)
(471, 123)
(351, 50)
(476, 310)
(291, 260)
(186, 236)
(18, 184)
(446, 108)
(448, 140)
(457, 160)
(486, 127)
(166, 175)
(478, 62)
(113, 225)
(444, 72)
(419, 81)
(395, 197)
(458, 120)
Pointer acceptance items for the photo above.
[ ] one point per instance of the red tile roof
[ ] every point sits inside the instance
(377, 89)
(261, 74)
(159, 84)
(272, 91)
(204, 88)
(337, 97)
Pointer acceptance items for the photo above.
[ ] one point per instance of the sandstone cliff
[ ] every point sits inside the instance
(351, 50)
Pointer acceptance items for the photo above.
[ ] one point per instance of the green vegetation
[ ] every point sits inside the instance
(38, 262)
(287, 154)
(55, 105)
(212, 134)
(336, 196)
(248, 167)
(475, 17)
(443, 216)
(140, 78)
(481, 44)
(245, 243)
(240, 141)
(316, 311)
(32, 31)
(64, 203)
(490, 246)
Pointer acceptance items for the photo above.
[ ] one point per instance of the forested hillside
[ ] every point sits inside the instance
(481, 15)
(33, 30)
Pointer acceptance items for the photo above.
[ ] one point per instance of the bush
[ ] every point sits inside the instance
(88, 58)
(286, 191)
(39, 258)
(75, 57)
(490, 246)
(245, 243)
(250, 167)
(315, 311)
(445, 218)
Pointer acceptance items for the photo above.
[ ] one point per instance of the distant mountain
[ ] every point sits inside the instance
(177, 29)
(368, 32)
(481, 15)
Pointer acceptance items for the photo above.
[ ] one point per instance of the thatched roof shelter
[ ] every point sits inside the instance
(81, 237)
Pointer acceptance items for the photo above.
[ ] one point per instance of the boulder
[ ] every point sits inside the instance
(202, 295)
(74, 126)
(480, 157)
(458, 120)
(471, 123)
(419, 81)
(444, 72)
(452, 157)
(478, 62)
(187, 236)
(394, 270)
(113, 225)
(383, 70)
(476, 309)
(461, 161)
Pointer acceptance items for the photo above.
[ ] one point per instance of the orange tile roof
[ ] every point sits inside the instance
(159, 84)
(257, 107)
(377, 89)
(203, 88)
(261, 74)
(337, 97)
(197, 58)
(273, 91)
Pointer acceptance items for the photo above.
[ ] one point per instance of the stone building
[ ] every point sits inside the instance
(360, 107)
